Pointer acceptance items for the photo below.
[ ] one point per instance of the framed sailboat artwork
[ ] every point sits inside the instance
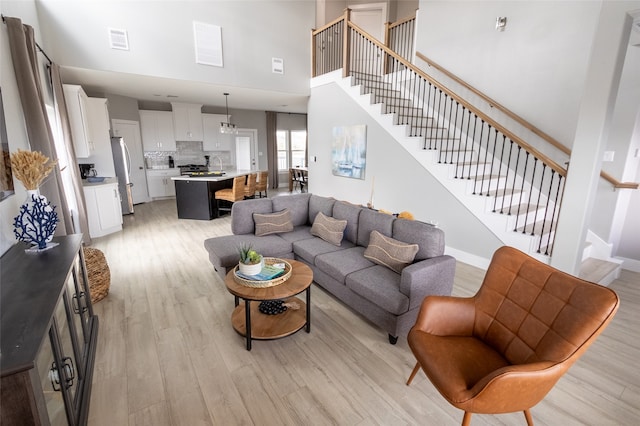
(349, 151)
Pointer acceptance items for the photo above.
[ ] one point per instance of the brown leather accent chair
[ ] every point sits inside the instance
(502, 350)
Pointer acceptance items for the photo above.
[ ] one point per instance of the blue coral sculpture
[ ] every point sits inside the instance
(36, 223)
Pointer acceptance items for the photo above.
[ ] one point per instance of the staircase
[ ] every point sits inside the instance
(510, 186)
(499, 198)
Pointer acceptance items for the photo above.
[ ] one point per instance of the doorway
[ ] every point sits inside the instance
(370, 17)
(130, 131)
(246, 149)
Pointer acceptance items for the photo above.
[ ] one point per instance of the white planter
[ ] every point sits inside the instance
(251, 269)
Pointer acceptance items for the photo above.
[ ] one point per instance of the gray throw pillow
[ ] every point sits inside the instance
(388, 252)
(329, 229)
(273, 223)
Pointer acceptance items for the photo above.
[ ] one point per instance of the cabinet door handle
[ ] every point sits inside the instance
(78, 305)
(54, 377)
(69, 371)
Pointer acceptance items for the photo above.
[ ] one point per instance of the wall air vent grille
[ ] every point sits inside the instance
(208, 44)
(118, 39)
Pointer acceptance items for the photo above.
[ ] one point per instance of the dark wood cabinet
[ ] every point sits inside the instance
(48, 336)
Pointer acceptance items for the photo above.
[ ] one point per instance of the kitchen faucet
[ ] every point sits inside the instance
(219, 159)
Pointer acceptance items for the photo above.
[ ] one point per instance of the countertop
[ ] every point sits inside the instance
(107, 181)
(229, 174)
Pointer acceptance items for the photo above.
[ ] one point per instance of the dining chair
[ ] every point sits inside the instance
(230, 195)
(504, 349)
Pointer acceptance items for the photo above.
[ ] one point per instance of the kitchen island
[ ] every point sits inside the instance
(195, 195)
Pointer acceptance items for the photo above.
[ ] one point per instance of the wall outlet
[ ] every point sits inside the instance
(608, 155)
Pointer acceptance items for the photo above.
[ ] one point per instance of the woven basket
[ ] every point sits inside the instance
(98, 273)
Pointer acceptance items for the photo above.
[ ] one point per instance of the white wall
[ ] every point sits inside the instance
(401, 183)
(536, 67)
(16, 132)
(161, 39)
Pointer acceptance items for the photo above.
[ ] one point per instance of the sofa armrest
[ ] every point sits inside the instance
(428, 277)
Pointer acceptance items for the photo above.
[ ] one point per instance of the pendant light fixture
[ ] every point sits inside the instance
(227, 127)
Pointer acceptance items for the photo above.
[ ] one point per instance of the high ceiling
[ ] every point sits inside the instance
(150, 88)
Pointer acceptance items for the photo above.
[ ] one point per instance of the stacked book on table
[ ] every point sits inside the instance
(268, 272)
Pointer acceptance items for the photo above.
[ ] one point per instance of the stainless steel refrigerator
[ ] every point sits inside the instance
(122, 164)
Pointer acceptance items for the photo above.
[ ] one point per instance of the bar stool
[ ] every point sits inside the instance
(250, 187)
(233, 194)
(261, 184)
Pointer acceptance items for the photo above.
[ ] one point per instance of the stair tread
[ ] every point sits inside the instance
(595, 270)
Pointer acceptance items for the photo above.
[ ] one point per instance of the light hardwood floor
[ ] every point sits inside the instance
(167, 354)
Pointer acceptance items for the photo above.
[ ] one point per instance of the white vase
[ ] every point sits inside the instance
(36, 234)
(253, 269)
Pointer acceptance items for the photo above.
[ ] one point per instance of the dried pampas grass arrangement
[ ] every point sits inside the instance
(31, 168)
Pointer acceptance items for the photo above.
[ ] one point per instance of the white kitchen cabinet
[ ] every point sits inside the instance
(76, 101)
(102, 156)
(157, 130)
(160, 183)
(104, 211)
(187, 121)
(213, 139)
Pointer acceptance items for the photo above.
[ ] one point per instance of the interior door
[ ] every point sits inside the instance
(371, 18)
(130, 131)
(246, 149)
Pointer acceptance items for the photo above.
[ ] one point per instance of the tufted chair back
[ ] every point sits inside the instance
(505, 348)
(529, 312)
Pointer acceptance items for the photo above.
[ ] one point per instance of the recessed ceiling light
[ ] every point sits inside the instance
(172, 96)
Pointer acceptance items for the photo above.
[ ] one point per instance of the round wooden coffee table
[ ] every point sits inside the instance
(247, 319)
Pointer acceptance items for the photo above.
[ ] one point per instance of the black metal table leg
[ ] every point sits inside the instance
(247, 322)
(308, 327)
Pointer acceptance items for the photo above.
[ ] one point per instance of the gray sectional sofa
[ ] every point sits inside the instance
(387, 298)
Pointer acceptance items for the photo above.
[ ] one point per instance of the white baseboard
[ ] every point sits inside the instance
(630, 264)
(468, 258)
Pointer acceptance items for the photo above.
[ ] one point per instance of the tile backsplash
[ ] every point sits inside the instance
(188, 152)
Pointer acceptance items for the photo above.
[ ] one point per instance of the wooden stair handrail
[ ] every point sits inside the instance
(392, 25)
(616, 183)
(515, 138)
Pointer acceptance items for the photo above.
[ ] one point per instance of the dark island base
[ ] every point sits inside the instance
(195, 199)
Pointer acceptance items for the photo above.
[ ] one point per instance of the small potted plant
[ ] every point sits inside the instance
(250, 260)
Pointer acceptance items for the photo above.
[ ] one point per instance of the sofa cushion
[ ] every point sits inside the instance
(299, 233)
(388, 252)
(339, 264)
(242, 214)
(298, 205)
(308, 249)
(429, 239)
(320, 204)
(329, 229)
(349, 212)
(371, 220)
(225, 249)
(273, 223)
(381, 286)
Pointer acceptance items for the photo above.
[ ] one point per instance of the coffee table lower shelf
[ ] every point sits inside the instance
(267, 327)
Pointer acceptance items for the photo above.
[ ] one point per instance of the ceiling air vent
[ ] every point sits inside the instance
(118, 39)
